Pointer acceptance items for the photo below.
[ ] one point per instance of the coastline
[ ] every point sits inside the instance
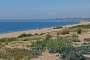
(34, 31)
(29, 31)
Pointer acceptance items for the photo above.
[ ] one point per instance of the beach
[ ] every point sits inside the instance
(33, 31)
(25, 42)
(37, 31)
(44, 30)
(16, 34)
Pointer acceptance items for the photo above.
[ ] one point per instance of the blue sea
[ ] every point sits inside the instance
(12, 26)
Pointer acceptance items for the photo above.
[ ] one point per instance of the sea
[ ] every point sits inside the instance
(13, 25)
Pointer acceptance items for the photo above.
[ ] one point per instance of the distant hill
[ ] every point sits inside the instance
(73, 18)
(85, 21)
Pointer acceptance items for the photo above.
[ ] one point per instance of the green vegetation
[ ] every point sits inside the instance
(57, 27)
(25, 35)
(73, 55)
(36, 34)
(38, 43)
(75, 38)
(42, 33)
(57, 44)
(79, 30)
(16, 54)
(5, 41)
(82, 26)
(64, 31)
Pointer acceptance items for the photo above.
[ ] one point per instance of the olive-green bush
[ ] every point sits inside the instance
(16, 53)
(25, 35)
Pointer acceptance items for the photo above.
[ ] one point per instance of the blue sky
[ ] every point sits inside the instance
(36, 9)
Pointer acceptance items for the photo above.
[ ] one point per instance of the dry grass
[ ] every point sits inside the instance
(64, 31)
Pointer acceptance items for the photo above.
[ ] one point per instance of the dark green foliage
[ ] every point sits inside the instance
(25, 35)
(52, 50)
(37, 48)
(82, 26)
(36, 34)
(48, 37)
(7, 40)
(79, 30)
(85, 48)
(40, 45)
(56, 45)
(64, 31)
(62, 44)
(42, 33)
(57, 27)
(73, 55)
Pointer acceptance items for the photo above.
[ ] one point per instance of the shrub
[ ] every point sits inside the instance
(74, 56)
(47, 37)
(64, 31)
(42, 33)
(57, 27)
(75, 38)
(36, 34)
(79, 30)
(5, 41)
(53, 45)
(63, 43)
(16, 53)
(87, 39)
(25, 35)
(38, 45)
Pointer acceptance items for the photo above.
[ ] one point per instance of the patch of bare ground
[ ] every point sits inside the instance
(47, 56)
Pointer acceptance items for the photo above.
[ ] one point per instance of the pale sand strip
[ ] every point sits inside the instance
(43, 30)
(15, 34)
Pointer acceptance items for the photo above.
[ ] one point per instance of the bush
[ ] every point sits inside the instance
(75, 38)
(5, 41)
(42, 33)
(73, 56)
(79, 30)
(47, 37)
(53, 45)
(64, 31)
(36, 34)
(16, 53)
(57, 27)
(63, 43)
(87, 39)
(25, 35)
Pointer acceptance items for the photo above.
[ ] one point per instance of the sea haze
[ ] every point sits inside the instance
(13, 25)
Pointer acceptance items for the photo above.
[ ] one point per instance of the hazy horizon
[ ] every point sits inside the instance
(44, 9)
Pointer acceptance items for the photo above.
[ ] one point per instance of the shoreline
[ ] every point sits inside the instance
(29, 31)
(33, 31)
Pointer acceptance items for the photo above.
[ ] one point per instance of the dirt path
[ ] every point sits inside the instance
(47, 56)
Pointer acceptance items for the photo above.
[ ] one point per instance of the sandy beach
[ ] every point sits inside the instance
(33, 31)
(16, 34)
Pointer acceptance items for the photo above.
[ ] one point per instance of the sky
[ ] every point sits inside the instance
(44, 9)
